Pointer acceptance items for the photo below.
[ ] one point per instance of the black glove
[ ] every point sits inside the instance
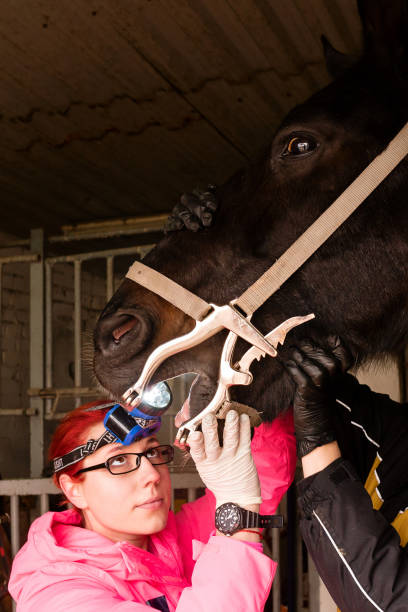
(194, 211)
(316, 374)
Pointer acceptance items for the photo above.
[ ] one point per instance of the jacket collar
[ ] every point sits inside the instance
(58, 536)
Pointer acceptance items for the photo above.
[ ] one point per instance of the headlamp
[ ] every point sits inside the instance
(123, 426)
(126, 426)
(156, 399)
(143, 421)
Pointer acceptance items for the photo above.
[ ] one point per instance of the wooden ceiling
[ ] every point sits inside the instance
(112, 108)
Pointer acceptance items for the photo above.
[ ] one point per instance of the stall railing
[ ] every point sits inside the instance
(42, 488)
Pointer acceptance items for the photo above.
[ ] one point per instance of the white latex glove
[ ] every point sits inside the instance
(228, 471)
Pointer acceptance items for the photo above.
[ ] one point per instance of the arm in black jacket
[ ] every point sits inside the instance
(356, 551)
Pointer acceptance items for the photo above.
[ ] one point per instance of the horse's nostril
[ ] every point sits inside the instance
(123, 329)
(123, 334)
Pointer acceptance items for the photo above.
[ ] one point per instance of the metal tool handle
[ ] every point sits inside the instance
(239, 374)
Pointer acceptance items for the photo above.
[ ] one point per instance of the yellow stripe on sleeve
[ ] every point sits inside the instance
(372, 483)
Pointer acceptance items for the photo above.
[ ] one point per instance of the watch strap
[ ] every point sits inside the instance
(253, 519)
(247, 519)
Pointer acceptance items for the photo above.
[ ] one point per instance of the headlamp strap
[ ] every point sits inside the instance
(80, 452)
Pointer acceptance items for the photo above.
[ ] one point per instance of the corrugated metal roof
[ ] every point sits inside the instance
(112, 108)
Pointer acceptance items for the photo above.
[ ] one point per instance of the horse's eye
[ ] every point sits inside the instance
(300, 145)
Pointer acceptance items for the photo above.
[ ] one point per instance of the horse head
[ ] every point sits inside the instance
(355, 283)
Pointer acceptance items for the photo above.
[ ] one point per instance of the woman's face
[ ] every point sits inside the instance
(124, 506)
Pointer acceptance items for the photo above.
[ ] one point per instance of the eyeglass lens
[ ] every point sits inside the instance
(127, 462)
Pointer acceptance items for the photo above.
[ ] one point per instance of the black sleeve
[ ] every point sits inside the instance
(377, 412)
(356, 551)
(366, 421)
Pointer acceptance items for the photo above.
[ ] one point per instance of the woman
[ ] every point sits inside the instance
(121, 548)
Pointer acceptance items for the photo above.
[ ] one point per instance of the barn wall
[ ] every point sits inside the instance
(383, 378)
(15, 351)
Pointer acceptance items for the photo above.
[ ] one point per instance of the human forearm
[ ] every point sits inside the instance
(319, 458)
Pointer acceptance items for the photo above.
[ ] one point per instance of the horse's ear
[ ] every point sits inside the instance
(337, 63)
(385, 30)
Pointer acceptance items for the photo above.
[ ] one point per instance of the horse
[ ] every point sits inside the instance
(355, 283)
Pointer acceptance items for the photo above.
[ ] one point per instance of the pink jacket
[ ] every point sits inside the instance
(64, 567)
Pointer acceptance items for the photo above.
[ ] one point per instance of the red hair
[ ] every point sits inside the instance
(72, 432)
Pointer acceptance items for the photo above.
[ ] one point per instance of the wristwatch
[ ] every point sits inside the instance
(230, 518)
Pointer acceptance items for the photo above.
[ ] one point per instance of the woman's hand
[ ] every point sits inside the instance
(228, 471)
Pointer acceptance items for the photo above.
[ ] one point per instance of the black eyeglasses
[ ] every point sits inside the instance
(128, 462)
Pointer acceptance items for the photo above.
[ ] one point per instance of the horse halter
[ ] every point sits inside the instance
(235, 316)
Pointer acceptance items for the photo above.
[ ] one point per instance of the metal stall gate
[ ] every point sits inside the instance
(48, 400)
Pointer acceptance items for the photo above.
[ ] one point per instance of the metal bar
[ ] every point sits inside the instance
(191, 494)
(44, 503)
(114, 227)
(109, 277)
(56, 415)
(131, 231)
(40, 486)
(14, 524)
(24, 242)
(37, 353)
(291, 548)
(299, 566)
(50, 392)
(1, 291)
(276, 586)
(77, 327)
(100, 254)
(1, 322)
(28, 486)
(32, 258)
(48, 333)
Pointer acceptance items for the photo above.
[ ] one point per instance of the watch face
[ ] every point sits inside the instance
(228, 518)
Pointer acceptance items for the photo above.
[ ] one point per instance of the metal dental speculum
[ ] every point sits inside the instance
(220, 317)
(237, 374)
